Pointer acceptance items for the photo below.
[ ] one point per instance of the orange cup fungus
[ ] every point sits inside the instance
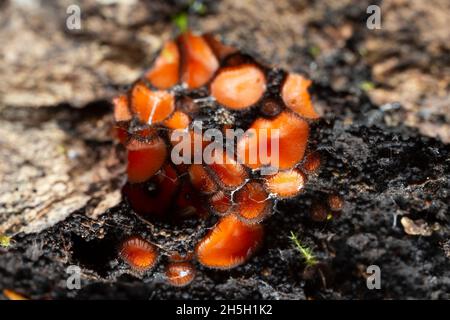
(200, 179)
(296, 97)
(312, 162)
(180, 274)
(293, 133)
(286, 184)
(335, 202)
(154, 198)
(145, 159)
(121, 109)
(230, 174)
(178, 120)
(319, 212)
(220, 203)
(252, 202)
(151, 106)
(200, 63)
(239, 87)
(229, 244)
(164, 73)
(139, 254)
(194, 79)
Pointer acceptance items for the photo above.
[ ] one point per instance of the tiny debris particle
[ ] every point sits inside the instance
(446, 248)
(417, 227)
(72, 154)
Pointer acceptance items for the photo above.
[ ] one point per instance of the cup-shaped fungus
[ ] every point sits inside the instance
(165, 73)
(201, 180)
(188, 203)
(180, 274)
(145, 158)
(220, 203)
(319, 212)
(252, 203)
(200, 61)
(220, 49)
(228, 172)
(312, 162)
(151, 106)
(154, 198)
(178, 120)
(286, 184)
(296, 96)
(291, 133)
(176, 256)
(335, 202)
(139, 254)
(239, 87)
(121, 109)
(229, 244)
(197, 78)
(271, 107)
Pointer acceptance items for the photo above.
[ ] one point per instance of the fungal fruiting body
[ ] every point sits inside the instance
(287, 183)
(335, 202)
(239, 87)
(295, 96)
(230, 243)
(164, 73)
(252, 203)
(139, 254)
(292, 132)
(180, 274)
(312, 162)
(198, 84)
(145, 159)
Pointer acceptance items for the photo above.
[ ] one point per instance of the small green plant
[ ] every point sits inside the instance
(306, 252)
(367, 85)
(181, 20)
(5, 241)
(314, 51)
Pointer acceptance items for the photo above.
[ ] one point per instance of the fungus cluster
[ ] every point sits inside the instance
(197, 78)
